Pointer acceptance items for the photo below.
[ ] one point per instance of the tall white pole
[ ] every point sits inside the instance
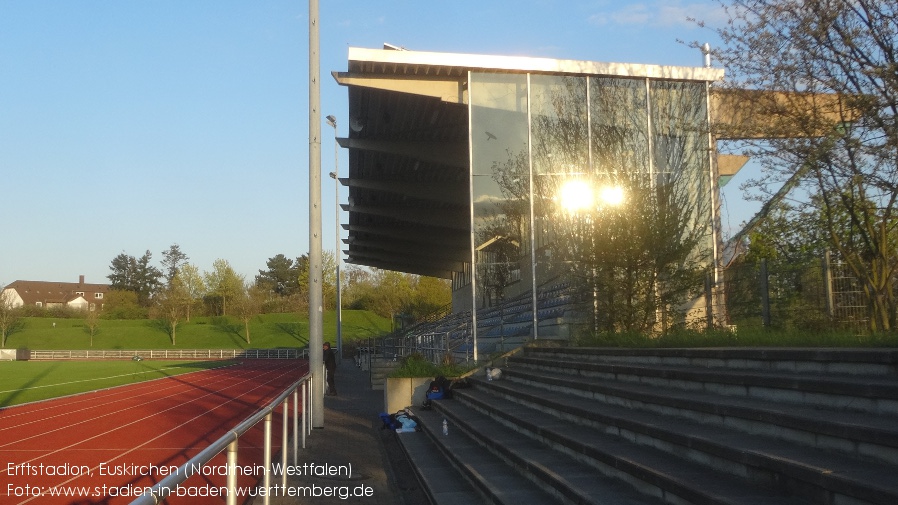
(316, 358)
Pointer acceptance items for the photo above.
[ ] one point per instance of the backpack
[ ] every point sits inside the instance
(440, 388)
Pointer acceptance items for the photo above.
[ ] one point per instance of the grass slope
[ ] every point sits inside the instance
(266, 331)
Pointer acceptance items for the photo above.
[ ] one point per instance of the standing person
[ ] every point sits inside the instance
(330, 366)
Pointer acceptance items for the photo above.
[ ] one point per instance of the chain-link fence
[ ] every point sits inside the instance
(818, 295)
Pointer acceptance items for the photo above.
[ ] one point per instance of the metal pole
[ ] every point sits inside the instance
(266, 459)
(284, 423)
(296, 427)
(311, 414)
(315, 292)
(232, 473)
(305, 417)
(828, 286)
(338, 256)
(764, 285)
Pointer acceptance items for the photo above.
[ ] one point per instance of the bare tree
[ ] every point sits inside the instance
(10, 320)
(92, 322)
(830, 114)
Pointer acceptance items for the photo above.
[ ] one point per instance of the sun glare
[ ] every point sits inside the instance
(612, 195)
(576, 195)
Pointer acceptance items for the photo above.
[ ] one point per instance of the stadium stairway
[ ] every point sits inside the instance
(698, 426)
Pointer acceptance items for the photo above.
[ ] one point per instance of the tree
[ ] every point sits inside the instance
(122, 304)
(829, 68)
(135, 274)
(172, 304)
(193, 285)
(172, 260)
(393, 294)
(247, 305)
(430, 295)
(281, 277)
(359, 287)
(10, 320)
(223, 283)
(92, 323)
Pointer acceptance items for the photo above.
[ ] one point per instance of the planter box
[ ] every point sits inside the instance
(403, 392)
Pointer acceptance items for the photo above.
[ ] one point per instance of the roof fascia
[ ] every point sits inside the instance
(530, 64)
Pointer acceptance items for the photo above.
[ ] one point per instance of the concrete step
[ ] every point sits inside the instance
(494, 481)
(379, 370)
(868, 362)
(443, 484)
(808, 473)
(858, 435)
(699, 426)
(872, 394)
(560, 478)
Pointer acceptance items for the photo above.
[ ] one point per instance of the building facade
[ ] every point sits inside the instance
(515, 177)
(43, 294)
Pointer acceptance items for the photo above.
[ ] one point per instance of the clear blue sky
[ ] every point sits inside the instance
(130, 126)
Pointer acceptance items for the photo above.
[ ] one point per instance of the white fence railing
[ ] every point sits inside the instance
(169, 354)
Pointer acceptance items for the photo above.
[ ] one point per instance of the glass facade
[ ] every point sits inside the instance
(598, 184)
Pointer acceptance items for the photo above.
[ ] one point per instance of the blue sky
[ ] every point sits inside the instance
(131, 126)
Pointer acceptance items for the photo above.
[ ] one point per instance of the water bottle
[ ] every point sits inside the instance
(445, 427)
(489, 374)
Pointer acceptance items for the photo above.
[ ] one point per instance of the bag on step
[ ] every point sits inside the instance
(389, 421)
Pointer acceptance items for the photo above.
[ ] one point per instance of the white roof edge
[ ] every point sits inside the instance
(529, 64)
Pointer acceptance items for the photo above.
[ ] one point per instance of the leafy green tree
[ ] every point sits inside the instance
(122, 304)
(329, 279)
(194, 286)
(359, 287)
(394, 292)
(281, 276)
(171, 307)
(223, 282)
(172, 260)
(135, 274)
(247, 305)
(830, 120)
(430, 295)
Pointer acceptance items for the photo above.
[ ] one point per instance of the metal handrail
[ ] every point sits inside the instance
(165, 488)
(291, 353)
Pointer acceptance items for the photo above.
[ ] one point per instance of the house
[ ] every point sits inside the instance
(76, 295)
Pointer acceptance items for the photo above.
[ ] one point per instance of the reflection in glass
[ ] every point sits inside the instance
(560, 136)
(500, 184)
(619, 174)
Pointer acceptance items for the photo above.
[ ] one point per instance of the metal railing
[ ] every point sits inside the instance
(169, 354)
(167, 487)
(430, 345)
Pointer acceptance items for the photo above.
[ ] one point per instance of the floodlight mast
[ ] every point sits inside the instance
(332, 121)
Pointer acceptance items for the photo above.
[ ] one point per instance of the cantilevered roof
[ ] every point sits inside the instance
(408, 150)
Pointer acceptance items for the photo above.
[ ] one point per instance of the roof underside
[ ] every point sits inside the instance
(408, 151)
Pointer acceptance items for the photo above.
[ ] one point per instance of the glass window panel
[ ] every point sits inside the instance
(560, 136)
(500, 182)
(683, 235)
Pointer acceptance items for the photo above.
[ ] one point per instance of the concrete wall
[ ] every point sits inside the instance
(403, 392)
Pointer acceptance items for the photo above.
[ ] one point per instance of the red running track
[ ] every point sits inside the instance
(107, 446)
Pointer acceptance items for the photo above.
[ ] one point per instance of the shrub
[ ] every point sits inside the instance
(416, 365)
